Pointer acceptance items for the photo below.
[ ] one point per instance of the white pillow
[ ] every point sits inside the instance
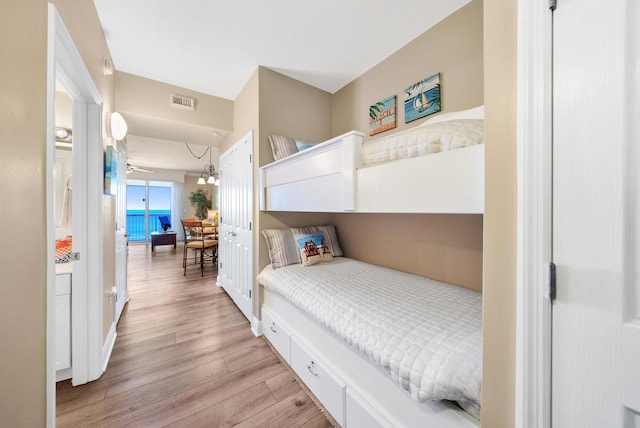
(472, 113)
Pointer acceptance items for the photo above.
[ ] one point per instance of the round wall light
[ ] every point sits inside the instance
(118, 126)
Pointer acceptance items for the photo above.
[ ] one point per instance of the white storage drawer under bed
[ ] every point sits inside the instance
(319, 379)
(361, 414)
(277, 334)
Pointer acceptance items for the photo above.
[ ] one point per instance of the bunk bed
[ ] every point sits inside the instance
(436, 167)
(377, 347)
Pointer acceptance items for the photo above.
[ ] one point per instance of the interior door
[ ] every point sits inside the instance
(121, 290)
(596, 226)
(235, 267)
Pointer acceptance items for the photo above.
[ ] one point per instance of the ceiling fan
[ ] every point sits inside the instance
(131, 168)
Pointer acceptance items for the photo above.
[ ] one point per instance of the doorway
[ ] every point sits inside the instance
(66, 67)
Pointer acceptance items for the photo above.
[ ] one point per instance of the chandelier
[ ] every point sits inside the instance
(210, 172)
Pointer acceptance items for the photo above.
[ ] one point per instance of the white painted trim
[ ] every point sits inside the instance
(79, 327)
(107, 349)
(63, 374)
(65, 65)
(533, 312)
(256, 326)
(50, 222)
(95, 234)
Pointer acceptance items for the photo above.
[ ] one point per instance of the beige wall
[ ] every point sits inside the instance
(417, 243)
(500, 219)
(443, 247)
(283, 113)
(191, 185)
(22, 186)
(22, 183)
(151, 98)
(453, 47)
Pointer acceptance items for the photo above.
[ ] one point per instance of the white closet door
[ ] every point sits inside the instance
(596, 222)
(235, 268)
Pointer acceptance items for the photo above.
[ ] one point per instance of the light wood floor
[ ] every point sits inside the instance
(185, 356)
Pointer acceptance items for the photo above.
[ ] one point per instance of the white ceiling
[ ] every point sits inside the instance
(214, 46)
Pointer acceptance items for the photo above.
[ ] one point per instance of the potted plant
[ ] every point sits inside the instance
(200, 200)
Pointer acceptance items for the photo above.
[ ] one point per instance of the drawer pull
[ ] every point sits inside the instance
(310, 368)
(273, 329)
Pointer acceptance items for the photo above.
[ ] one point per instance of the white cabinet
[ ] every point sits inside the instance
(63, 326)
(277, 334)
(319, 379)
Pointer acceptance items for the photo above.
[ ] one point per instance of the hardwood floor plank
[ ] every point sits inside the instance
(199, 397)
(240, 359)
(231, 411)
(293, 411)
(318, 421)
(129, 401)
(185, 356)
(283, 385)
(148, 374)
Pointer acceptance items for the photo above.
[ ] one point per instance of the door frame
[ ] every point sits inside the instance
(534, 246)
(65, 64)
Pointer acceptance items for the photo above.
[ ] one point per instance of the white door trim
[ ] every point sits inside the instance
(65, 64)
(533, 311)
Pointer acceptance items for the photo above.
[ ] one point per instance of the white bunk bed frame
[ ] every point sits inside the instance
(356, 392)
(328, 178)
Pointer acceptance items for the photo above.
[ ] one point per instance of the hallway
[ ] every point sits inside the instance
(185, 356)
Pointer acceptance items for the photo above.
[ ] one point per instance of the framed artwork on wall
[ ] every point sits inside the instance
(110, 171)
(382, 115)
(422, 98)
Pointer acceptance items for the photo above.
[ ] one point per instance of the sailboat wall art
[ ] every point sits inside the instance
(422, 98)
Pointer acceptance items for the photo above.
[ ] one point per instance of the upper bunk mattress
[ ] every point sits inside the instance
(426, 335)
(423, 140)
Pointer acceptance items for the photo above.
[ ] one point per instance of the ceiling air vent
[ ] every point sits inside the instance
(180, 101)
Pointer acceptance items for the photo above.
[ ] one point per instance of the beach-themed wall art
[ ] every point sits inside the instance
(110, 171)
(422, 98)
(382, 115)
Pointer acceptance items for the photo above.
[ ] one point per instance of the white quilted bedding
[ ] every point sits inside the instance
(425, 334)
(423, 140)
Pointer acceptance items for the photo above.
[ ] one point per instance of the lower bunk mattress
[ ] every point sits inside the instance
(426, 335)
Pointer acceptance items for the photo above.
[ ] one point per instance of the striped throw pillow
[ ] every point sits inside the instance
(283, 250)
(282, 146)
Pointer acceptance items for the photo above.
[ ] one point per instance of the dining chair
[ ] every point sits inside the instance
(195, 238)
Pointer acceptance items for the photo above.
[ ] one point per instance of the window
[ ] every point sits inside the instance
(146, 201)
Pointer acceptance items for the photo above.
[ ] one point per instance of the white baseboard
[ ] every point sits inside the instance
(256, 327)
(107, 349)
(63, 374)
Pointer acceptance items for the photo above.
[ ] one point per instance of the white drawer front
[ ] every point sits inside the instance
(277, 335)
(325, 386)
(63, 284)
(361, 414)
(63, 332)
